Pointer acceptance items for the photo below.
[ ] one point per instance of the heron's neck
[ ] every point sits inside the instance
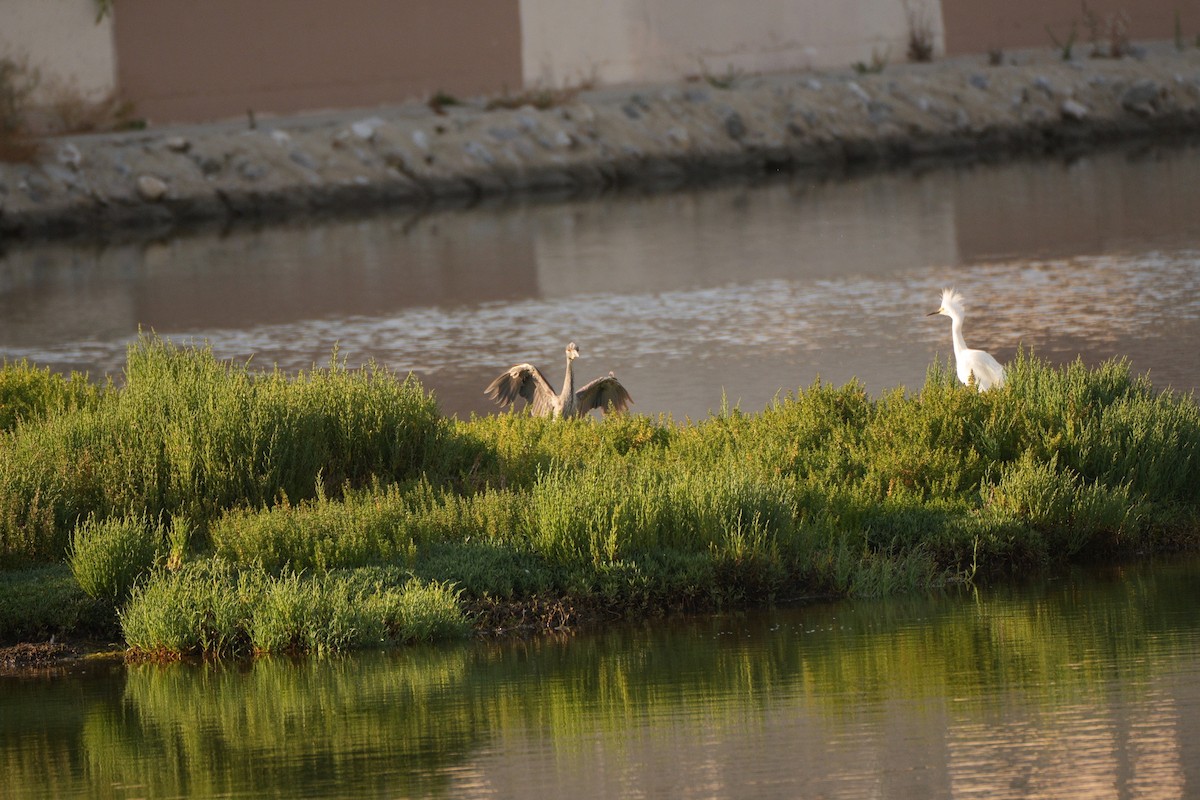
(568, 387)
(960, 344)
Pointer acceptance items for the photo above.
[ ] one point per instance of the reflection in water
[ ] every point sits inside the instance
(1078, 688)
(741, 290)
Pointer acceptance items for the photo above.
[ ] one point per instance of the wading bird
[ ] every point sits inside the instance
(987, 370)
(526, 380)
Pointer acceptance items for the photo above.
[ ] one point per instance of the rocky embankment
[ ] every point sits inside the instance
(415, 154)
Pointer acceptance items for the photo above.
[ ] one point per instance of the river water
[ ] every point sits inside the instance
(736, 292)
(1083, 687)
(1087, 686)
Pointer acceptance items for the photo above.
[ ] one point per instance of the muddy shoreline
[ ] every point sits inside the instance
(418, 156)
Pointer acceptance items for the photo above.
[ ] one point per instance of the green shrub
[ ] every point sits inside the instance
(29, 394)
(190, 436)
(202, 608)
(213, 607)
(108, 556)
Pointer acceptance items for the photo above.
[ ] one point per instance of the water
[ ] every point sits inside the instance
(1082, 687)
(737, 292)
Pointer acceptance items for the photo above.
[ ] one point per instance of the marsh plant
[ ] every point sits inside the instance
(109, 556)
(338, 509)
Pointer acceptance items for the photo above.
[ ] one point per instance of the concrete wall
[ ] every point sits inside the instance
(63, 41)
(573, 41)
(182, 60)
(976, 26)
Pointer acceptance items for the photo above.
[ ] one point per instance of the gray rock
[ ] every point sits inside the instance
(814, 84)
(631, 111)
(858, 91)
(151, 188)
(696, 96)
(979, 81)
(479, 152)
(209, 165)
(303, 159)
(365, 129)
(735, 126)
(565, 140)
(420, 139)
(639, 101)
(1142, 98)
(177, 144)
(679, 135)
(252, 171)
(1074, 110)
(280, 137)
(69, 156)
(35, 187)
(504, 134)
(1042, 83)
(878, 112)
(63, 176)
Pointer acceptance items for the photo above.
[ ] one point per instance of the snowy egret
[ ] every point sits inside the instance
(987, 370)
(526, 380)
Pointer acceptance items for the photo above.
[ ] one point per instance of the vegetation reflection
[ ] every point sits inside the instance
(409, 721)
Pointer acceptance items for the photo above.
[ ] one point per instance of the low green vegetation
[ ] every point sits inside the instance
(216, 509)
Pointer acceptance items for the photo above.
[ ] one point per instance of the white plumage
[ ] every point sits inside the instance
(987, 370)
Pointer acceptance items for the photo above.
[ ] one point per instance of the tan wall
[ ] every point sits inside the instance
(182, 60)
(571, 41)
(976, 26)
(63, 41)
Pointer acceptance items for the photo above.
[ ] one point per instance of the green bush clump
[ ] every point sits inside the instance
(29, 394)
(108, 556)
(188, 435)
(380, 525)
(215, 608)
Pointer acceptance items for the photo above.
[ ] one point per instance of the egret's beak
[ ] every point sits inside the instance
(934, 313)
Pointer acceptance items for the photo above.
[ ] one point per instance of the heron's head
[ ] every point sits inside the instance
(572, 352)
(952, 304)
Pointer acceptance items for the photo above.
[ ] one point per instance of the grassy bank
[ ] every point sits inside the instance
(212, 508)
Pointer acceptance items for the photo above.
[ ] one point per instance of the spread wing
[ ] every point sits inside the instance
(523, 380)
(603, 393)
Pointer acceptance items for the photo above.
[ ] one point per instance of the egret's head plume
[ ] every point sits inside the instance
(952, 303)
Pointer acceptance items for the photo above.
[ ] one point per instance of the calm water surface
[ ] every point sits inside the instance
(736, 291)
(1083, 687)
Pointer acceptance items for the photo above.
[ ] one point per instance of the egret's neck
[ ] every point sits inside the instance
(960, 344)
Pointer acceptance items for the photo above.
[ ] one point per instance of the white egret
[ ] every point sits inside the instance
(526, 380)
(987, 370)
